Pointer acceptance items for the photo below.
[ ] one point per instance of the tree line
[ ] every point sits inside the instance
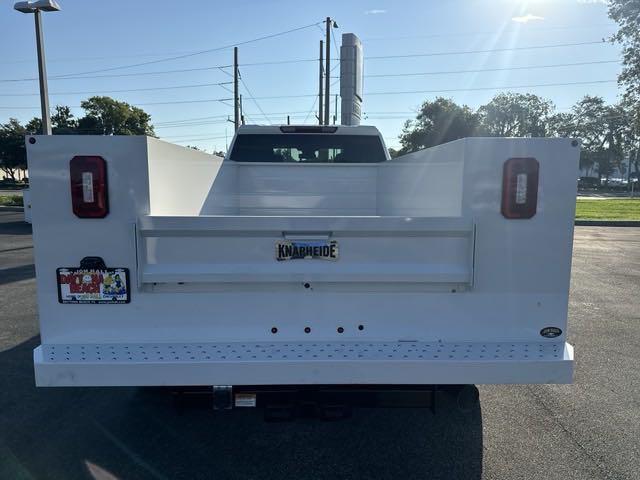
(102, 116)
(609, 133)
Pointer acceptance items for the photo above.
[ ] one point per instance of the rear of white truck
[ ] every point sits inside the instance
(305, 257)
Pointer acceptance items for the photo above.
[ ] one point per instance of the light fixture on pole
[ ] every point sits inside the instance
(35, 8)
(330, 23)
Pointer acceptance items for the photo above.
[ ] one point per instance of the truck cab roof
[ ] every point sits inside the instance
(313, 129)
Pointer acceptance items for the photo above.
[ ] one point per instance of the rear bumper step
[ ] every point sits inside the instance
(302, 363)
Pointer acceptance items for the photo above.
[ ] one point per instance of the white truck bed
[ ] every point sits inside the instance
(433, 285)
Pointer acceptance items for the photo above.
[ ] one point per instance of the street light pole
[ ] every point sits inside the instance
(37, 7)
(42, 70)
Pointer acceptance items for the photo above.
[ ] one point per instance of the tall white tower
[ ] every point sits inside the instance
(351, 79)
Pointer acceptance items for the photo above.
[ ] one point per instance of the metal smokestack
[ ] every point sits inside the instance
(351, 79)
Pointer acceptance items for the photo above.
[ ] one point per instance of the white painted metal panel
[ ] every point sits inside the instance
(242, 249)
(519, 280)
(180, 179)
(306, 189)
(427, 183)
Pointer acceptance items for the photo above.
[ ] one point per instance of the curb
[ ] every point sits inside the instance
(607, 223)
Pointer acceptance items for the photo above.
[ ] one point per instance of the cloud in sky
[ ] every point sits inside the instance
(527, 18)
(591, 2)
(375, 12)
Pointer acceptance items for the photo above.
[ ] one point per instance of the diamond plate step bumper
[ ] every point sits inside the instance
(302, 363)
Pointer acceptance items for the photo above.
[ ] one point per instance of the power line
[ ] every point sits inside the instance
(515, 29)
(253, 98)
(188, 136)
(489, 32)
(335, 45)
(195, 124)
(103, 57)
(382, 75)
(199, 139)
(505, 87)
(77, 76)
(221, 84)
(180, 102)
(193, 54)
(278, 62)
(398, 112)
(205, 120)
(438, 54)
(117, 75)
(492, 50)
(526, 67)
(277, 97)
(311, 110)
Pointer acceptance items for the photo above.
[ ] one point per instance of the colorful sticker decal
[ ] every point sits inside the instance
(82, 285)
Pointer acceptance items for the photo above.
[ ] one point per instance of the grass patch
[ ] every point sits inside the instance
(608, 209)
(11, 200)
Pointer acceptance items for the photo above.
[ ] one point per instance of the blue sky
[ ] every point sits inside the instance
(88, 35)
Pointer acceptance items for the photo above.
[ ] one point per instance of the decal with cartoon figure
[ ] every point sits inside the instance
(81, 285)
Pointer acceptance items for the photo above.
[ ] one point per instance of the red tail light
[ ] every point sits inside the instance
(89, 195)
(520, 188)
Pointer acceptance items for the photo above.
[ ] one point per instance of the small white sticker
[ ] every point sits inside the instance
(521, 188)
(245, 400)
(87, 187)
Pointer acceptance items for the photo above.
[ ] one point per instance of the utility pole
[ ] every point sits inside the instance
(335, 110)
(327, 75)
(236, 96)
(320, 94)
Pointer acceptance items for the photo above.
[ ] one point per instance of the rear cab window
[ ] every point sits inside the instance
(307, 148)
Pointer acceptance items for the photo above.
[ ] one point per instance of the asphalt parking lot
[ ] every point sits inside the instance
(588, 430)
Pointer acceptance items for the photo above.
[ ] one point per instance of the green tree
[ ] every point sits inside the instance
(602, 130)
(516, 115)
(62, 122)
(438, 121)
(561, 124)
(106, 116)
(627, 14)
(393, 153)
(12, 150)
(564, 125)
(632, 133)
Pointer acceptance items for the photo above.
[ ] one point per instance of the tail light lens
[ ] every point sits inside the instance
(89, 195)
(520, 188)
